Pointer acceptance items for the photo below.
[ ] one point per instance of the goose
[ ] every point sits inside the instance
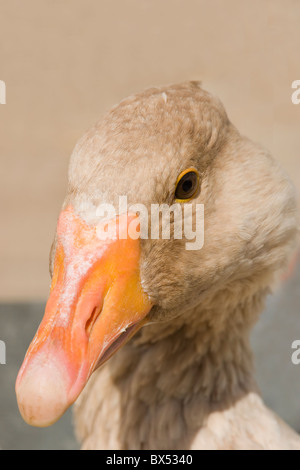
(148, 338)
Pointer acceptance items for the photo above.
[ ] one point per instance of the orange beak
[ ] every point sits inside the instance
(96, 304)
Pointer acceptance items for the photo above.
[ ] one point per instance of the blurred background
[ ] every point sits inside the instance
(64, 64)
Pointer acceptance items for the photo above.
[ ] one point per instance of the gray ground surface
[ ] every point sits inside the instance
(278, 327)
(278, 378)
(18, 323)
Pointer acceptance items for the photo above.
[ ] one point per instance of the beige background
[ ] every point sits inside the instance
(66, 62)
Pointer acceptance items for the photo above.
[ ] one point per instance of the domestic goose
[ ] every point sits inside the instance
(184, 377)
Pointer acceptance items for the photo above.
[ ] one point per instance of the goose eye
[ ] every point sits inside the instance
(187, 185)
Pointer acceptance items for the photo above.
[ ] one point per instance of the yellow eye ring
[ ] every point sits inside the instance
(187, 185)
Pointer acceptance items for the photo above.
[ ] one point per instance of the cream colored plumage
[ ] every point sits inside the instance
(185, 380)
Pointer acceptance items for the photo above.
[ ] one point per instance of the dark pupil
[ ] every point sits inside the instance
(186, 186)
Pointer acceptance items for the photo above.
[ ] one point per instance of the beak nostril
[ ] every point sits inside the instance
(92, 320)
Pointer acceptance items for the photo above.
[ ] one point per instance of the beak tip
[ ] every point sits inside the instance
(41, 395)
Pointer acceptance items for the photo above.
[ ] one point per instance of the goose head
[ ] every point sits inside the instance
(169, 145)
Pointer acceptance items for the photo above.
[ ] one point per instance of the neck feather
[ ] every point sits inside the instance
(166, 381)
